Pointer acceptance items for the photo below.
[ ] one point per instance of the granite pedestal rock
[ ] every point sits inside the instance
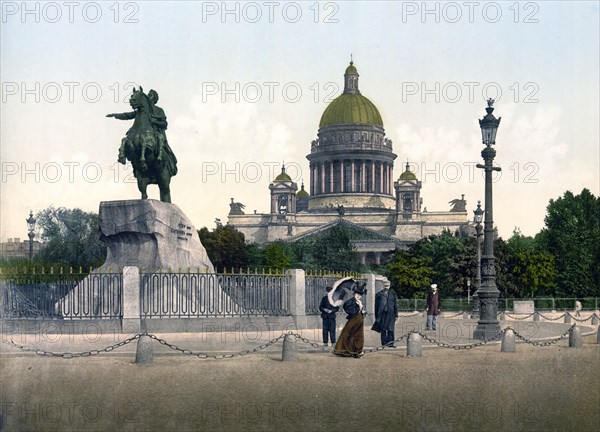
(150, 235)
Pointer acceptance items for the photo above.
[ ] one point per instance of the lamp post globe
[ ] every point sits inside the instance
(487, 324)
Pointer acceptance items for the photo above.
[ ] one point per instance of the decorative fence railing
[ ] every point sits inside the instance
(191, 295)
(315, 289)
(62, 296)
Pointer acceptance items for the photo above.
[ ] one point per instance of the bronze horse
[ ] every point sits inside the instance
(145, 146)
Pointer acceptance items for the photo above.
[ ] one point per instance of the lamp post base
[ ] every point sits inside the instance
(486, 331)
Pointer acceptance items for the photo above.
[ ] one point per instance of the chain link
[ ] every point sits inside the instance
(205, 356)
(70, 355)
(459, 347)
(517, 318)
(582, 320)
(552, 319)
(411, 315)
(544, 343)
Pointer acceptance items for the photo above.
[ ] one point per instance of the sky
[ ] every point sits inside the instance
(244, 84)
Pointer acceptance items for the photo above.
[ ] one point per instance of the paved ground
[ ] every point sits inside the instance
(553, 388)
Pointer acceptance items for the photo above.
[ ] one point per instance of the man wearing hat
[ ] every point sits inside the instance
(386, 313)
(434, 306)
(328, 312)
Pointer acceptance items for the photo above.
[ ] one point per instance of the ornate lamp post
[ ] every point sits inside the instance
(31, 232)
(487, 325)
(477, 219)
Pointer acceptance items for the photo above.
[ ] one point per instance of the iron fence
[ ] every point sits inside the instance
(315, 290)
(195, 295)
(62, 296)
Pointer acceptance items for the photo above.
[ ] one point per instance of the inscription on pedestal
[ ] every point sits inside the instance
(183, 231)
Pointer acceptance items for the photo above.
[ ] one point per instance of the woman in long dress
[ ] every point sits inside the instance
(352, 339)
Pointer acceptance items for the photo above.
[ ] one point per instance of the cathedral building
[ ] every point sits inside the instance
(351, 183)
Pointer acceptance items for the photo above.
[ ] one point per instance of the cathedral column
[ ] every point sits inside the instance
(331, 177)
(381, 177)
(322, 177)
(363, 181)
(342, 176)
(352, 183)
(372, 176)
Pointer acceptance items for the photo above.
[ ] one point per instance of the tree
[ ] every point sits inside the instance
(448, 260)
(70, 237)
(572, 236)
(409, 275)
(532, 270)
(277, 255)
(330, 250)
(225, 247)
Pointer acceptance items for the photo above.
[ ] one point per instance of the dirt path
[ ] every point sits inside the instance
(553, 388)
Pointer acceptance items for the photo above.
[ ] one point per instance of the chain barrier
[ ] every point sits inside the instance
(70, 355)
(454, 316)
(517, 318)
(205, 356)
(307, 341)
(459, 347)
(552, 319)
(411, 315)
(201, 355)
(584, 319)
(382, 347)
(544, 343)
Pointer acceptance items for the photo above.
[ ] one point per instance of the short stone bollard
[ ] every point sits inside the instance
(594, 319)
(465, 315)
(502, 317)
(143, 353)
(567, 318)
(414, 347)
(536, 316)
(598, 335)
(424, 314)
(290, 349)
(508, 341)
(575, 340)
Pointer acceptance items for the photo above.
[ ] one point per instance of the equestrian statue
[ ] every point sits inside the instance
(145, 144)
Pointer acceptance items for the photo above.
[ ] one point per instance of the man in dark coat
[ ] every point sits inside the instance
(386, 313)
(328, 312)
(434, 307)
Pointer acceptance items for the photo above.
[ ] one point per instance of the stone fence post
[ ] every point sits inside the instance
(297, 297)
(371, 289)
(131, 300)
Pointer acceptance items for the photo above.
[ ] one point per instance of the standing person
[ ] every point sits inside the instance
(386, 313)
(352, 338)
(434, 306)
(328, 312)
(578, 308)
